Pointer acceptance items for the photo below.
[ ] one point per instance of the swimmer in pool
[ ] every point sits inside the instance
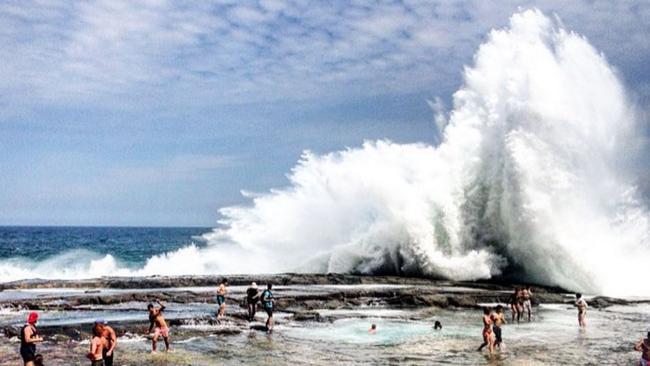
(373, 329)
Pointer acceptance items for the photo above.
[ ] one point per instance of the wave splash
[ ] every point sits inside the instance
(531, 180)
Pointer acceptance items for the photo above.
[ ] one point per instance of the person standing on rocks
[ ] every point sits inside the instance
(221, 299)
(514, 305)
(98, 344)
(582, 306)
(111, 338)
(158, 320)
(643, 346)
(252, 296)
(488, 335)
(527, 294)
(28, 339)
(268, 302)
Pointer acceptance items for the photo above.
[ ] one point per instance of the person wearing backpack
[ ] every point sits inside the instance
(268, 303)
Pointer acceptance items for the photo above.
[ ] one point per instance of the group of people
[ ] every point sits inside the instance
(493, 320)
(520, 303)
(253, 297)
(104, 338)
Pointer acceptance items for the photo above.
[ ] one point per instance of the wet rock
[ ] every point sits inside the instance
(462, 301)
(440, 301)
(307, 316)
(600, 302)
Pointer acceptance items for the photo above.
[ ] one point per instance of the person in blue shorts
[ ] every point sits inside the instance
(268, 303)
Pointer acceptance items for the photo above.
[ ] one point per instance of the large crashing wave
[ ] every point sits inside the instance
(531, 181)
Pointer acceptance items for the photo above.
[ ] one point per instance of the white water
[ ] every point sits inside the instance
(531, 178)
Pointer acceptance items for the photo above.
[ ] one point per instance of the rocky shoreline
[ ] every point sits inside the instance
(298, 296)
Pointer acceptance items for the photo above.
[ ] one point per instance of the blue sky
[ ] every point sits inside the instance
(160, 112)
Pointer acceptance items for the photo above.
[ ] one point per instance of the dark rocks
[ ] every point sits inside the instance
(462, 301)
(307, 316)
(600, 302)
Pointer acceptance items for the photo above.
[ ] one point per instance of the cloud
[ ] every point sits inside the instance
(133, 54)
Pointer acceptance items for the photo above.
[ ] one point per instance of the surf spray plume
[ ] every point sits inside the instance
(531, 180)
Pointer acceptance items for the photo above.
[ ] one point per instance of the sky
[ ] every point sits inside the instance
(158, 113)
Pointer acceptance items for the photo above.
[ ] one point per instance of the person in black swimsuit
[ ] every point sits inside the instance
(28, 339)
(252, 296)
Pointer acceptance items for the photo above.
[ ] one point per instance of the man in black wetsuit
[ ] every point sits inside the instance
(28, 339)
(268, 302)
(252, 296)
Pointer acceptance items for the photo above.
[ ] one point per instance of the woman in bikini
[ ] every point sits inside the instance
(488, 334)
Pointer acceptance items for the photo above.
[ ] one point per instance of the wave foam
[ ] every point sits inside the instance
(530, 180)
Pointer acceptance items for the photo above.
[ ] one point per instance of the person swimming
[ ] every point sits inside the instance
(498, 319)
(97, 346)
(252, 296)
(488, 337)
(582, 310)
(643, 346)
(158, 320)
(221, 299)
(268, 303)
(28, 339)
(437, 325)
(373, 329)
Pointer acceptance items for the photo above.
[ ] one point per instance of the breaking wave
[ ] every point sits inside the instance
(532, 180)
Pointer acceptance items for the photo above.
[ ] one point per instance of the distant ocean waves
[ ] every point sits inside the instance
(88, 252)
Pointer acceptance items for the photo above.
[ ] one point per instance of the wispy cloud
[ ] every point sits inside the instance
(156, 52)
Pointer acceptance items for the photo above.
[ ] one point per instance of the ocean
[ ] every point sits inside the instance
(129, 247)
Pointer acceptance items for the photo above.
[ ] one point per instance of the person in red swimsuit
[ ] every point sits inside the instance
(488, 335)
